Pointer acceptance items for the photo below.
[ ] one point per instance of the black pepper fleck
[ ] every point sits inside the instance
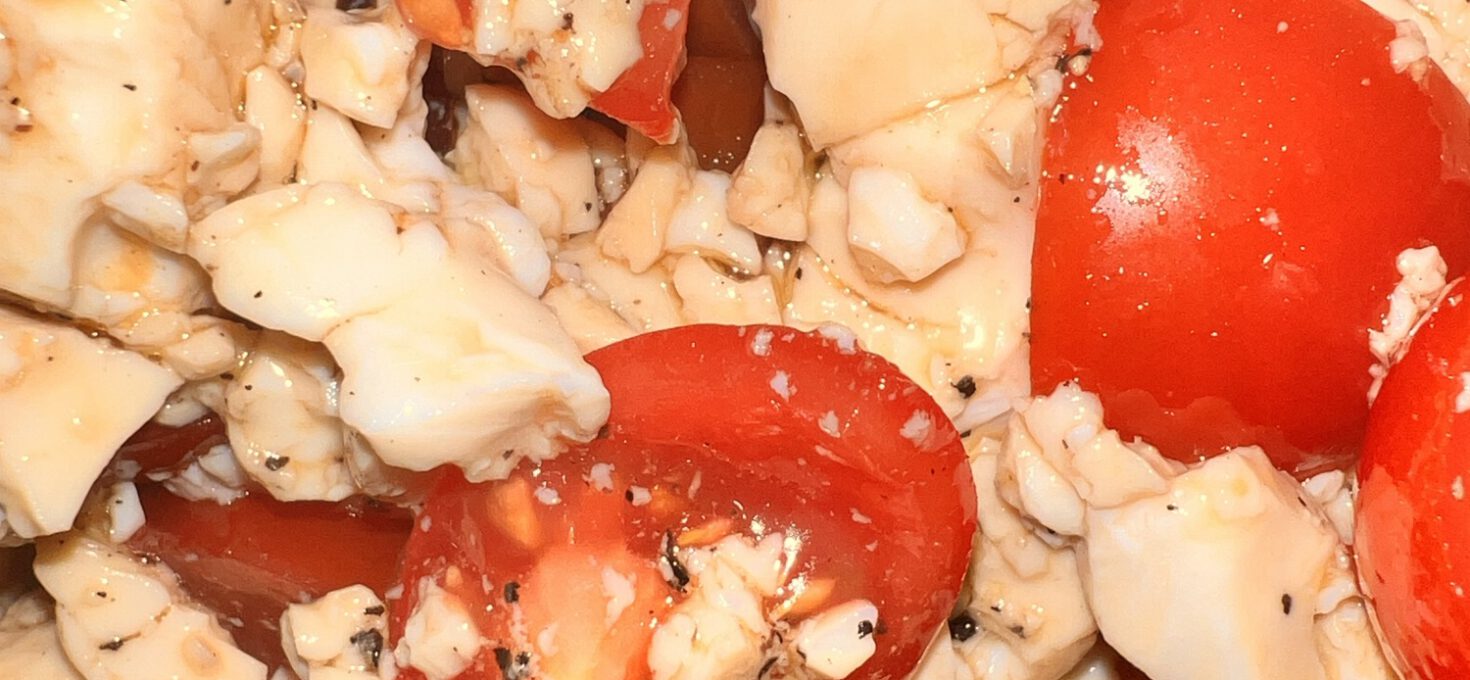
(962, 627)
(259, 293)
(677, 571)
(130, 87)
(628, 495)
(965, 386)
(568, 20)
(512, 592)
(1171, 507)
(865, 628)
(1020, 631)
(587, 207)
(101, 593)
(370, 643)
(512, 666)
(275, 463)
(1286, 605)
(798, 273)
(375, 610)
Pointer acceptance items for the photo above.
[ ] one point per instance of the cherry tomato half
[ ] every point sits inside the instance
(1224, 195)
(1413, 528)
(248, 560)
(726, 430)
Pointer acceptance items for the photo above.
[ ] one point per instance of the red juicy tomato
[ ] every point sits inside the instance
(158, 447)
(699, 421)
(1224, 195)
(248, 560)
(1413, 528)
(640, 97)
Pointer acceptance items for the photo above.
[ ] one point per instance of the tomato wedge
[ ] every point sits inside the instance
(714, 430)
(1225, 193)
(248, 560)
(1413, 528)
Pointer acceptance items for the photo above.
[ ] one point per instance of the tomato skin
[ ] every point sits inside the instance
(641, 96)
(695, 419)
(1222, 203)
(160, 447)
(248, 560)
(1413, 520)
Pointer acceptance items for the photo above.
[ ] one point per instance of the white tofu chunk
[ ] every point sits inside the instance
(120, 619)
(895, 233)
(67, 402)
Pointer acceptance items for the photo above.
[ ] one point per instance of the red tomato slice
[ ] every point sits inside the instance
(1225, 192)
(248, 560)
(698, 422)
(1413, 528)
(640, 97)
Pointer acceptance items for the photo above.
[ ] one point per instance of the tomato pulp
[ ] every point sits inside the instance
(714, 430)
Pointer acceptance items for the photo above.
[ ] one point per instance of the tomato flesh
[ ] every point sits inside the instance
(248, 560)
(160, 447)
(1224, 194)
(697, 423)
(1413, 527)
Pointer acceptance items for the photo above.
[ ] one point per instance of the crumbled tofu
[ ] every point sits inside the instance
(341, 635)
(67, 402)
(439, 639)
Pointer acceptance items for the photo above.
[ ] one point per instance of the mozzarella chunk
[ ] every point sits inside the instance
(1025, 596)
(711, 296)
(124, 512)
(470, 371)
(281, 416)
(1421, 284)
(215, 476)
(590, 322)
(339, 635)
(564, 52)
(358, 64)
(439, 639)
(700, 225)
(444, 359)
(120, 102)
(483, 223)
(1262, 556)
(770, 188)
(274, 108)
(895, 233)
(635, 228)
(32, 646)
(119, 619)
(851, 67)
(837, 640)
(67, 402)
(720, 630)
(540, 164)
(298, 231)
(1440, 30)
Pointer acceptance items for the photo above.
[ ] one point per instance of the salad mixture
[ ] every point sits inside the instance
(728, 339)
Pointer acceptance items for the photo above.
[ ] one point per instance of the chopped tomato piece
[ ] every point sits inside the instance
(1413, 527)
(248, 560)
(1225, 192)
(714, 431)
(640, 97)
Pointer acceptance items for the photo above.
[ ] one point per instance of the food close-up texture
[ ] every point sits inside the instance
(734, 339)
